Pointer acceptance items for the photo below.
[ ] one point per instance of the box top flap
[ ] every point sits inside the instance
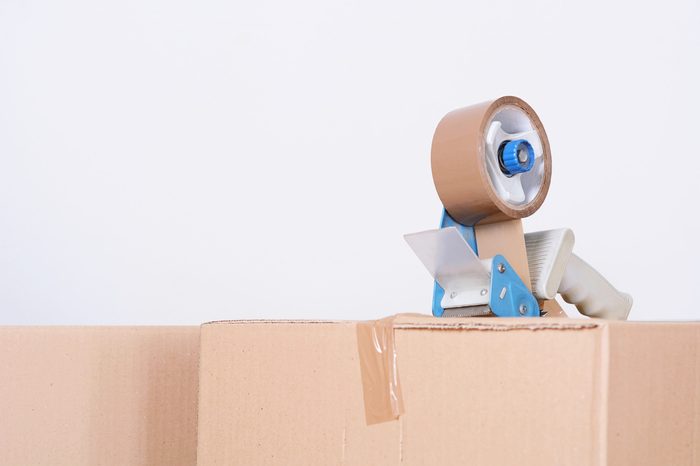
(413, 321)
(428, 322)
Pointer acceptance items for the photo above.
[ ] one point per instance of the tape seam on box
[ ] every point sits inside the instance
(378, 365)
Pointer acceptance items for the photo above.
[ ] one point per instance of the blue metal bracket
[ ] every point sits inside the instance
(509, 295)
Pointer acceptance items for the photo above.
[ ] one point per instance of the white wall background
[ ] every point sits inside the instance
(175, 162)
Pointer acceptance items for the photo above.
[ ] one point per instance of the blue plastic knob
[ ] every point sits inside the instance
(518, 156)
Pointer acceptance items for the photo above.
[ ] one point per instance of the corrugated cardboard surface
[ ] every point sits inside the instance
(654, 394)
(98, 396)
(476, 391)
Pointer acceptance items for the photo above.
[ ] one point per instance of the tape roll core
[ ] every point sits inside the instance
(459, 166)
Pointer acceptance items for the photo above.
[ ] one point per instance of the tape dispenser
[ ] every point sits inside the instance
(491, 165)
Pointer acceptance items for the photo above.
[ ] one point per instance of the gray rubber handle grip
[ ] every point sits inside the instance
(594, 296)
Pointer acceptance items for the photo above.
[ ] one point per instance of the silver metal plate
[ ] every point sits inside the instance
(471, 311)
(453, 264)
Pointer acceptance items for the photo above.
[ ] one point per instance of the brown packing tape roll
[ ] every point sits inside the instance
(378, 366)
(459, 164)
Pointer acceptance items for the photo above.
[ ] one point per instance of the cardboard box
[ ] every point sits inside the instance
(475, 391)
(98, 396)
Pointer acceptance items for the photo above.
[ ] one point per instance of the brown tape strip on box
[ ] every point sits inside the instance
(380, 378)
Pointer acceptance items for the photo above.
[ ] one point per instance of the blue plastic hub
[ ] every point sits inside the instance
(517, 156)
